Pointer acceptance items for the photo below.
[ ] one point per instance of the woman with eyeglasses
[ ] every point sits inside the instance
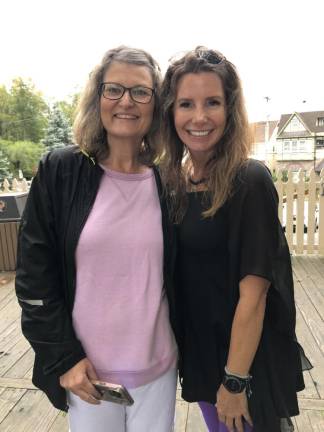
(234, 289)
(92, 271)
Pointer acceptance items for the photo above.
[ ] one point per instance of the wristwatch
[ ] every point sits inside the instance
(236, 383)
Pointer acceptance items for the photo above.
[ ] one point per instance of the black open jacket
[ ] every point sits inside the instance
(59, 202)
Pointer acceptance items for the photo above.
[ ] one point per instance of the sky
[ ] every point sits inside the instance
(277, 46)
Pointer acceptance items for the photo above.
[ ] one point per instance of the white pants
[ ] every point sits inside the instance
(152, 411)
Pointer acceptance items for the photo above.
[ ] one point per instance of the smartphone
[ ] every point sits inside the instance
(113, 392)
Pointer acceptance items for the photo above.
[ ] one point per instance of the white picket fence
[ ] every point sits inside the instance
(301, 208)
(301, 211)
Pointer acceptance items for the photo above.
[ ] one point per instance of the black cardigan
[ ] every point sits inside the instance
(59, 202)
(256, 245)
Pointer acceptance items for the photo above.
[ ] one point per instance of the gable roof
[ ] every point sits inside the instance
(308, 119)
(258, 130)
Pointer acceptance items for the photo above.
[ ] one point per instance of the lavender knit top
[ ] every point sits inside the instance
(121, 312)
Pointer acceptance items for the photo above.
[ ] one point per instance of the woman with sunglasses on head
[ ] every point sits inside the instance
(234, 289)
(92, 259)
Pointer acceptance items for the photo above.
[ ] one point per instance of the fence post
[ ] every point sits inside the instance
(311, 212)
(300, 212)
(290, 190)
(280, 189)
(321, 215)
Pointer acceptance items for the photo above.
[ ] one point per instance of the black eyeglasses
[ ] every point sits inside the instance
(115, 91)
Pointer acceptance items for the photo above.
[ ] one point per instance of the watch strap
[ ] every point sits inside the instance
(243, 382)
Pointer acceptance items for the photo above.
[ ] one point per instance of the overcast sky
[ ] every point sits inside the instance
(277, 46)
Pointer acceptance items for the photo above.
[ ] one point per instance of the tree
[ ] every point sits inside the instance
(58, 132)
(4, 167)
(22, 112)
(69, 107)
(5, 116)
(24, 155)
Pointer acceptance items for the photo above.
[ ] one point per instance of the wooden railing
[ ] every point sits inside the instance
(14, 186)
(9, 227)
(301, 210)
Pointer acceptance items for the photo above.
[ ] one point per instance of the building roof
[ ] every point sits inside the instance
(308, 119)
(258, 130)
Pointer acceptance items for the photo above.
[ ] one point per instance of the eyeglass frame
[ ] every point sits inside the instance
(129, 89)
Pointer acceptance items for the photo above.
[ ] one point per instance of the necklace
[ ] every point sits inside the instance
(197, 182)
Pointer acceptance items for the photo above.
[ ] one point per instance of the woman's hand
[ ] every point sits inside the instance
(231, 408)
(77, 380)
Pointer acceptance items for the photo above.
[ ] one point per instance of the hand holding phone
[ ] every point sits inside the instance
(113, 392)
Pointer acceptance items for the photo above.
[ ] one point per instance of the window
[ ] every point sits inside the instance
(302, 146)
(320, 121)
(294, 146)
(320, 143)
(286, 146)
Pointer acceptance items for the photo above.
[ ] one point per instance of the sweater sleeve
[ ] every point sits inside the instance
(259, 224)
(46, 320)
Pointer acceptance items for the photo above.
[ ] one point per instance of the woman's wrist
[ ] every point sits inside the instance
(233, 373)
(237, 383)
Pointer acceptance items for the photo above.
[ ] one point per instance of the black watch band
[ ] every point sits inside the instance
(237, 384)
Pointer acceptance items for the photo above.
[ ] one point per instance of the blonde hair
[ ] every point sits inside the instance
(231, 151)
(88, 129)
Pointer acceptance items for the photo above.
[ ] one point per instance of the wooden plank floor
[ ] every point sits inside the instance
(25, 409)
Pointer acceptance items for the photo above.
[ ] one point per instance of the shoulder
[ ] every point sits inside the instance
(254, 173)
(65, 156)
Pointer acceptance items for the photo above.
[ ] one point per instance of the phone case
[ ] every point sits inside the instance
(113, 393)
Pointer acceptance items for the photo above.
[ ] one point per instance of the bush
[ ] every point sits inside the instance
(24, 155)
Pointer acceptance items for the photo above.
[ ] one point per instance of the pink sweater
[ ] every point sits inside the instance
(121, 312)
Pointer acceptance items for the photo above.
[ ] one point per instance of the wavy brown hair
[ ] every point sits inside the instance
(231, 151)
(88, 129)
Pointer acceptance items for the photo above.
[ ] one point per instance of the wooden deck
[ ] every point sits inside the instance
(25, 409)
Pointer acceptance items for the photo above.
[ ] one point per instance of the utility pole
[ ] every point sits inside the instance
(267, 133)
(314, 141)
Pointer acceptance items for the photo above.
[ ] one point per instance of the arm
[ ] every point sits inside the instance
(245, 337)
(247, 324)
(256, 241)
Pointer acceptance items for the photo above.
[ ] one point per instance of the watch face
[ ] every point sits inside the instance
(233, 385)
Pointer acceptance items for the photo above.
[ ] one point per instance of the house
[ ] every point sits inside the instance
(264, 141)
(300, 141)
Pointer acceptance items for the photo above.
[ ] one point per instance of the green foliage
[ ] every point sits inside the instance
(5, 116)
(284, 175)
(24, 155)
(22, 112)
(4, 167)
(26, 121)
(274, 175)
(59, 133)
(69, 107)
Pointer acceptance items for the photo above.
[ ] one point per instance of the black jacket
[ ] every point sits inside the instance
(59, 202)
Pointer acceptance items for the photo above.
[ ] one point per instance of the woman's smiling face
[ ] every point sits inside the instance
(200, 112)
(124, 118)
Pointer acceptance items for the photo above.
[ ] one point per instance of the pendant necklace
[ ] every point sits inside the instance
(197, 182)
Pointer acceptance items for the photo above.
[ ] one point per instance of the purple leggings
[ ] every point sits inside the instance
(209, 412)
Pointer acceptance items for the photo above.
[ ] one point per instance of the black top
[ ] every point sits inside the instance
(244, 237)
(202, 266)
